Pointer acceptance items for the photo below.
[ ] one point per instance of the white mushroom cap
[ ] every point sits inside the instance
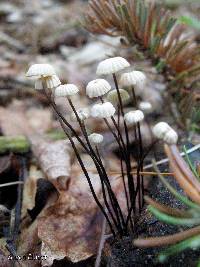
(53, 82)
(113, 96)
(38, 70)
(95, 138)
(50, 82)
(66, 90)
(133, 78)
(105, 110)
(146, 107)
(133, 117)
(160, 129)
(83, 114)
(97, 88)
(112, 65)
(171, 137)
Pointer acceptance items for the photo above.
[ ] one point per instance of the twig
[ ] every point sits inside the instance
(11, 183)
(11, 243)
(101, 244)
(189, 151)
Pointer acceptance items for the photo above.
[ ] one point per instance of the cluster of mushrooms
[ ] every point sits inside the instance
(45, 77)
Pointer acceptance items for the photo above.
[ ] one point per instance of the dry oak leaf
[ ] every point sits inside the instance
(71, 227)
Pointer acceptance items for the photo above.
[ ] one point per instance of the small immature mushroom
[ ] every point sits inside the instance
(66, 90)
(146, 107)
(96, 138)
(133, 117)
(171, 137)
(98, 87)
(163, 131)
(112, 96)
(133, 78)
(112, 65)
(83, 114)
(105, 110)
(51, 82)
(160, 129)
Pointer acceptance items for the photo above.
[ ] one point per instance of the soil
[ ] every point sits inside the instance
(123, 254)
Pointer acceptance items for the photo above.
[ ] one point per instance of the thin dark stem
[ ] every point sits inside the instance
(140, 179)
(121, 164)
(141, 163)
(120, 135)
(119, 138)
(100, 168)
(115, 136)
(130, 177)
(134, 98)
(122, 111)
(128, 161)
(118, 226)
(64, 123)
(103, 176)
(124, 183)
(115, 200)
(69, 126)
(88, 178)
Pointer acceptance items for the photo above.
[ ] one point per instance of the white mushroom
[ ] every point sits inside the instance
(66, 90)
(133, 117)
(105, 110)
(133, 78)
(95, 138)
(112, 96)
(97, 88)
(112, 65)
(39, 70)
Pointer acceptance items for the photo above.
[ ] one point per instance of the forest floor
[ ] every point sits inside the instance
(51, 212)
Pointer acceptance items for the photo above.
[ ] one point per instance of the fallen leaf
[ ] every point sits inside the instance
(40, 119)
(53, 157)
(30, 189)
(71, 227)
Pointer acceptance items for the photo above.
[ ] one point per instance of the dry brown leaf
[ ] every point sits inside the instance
(4, 254)
(39, 119)
(53, 157)
(29, 241)
(69, 230)
(29, 191)
(13, 122)
(49, 255)
(71, 227)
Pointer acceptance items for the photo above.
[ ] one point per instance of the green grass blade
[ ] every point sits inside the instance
(173, 220)
(191, 243)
